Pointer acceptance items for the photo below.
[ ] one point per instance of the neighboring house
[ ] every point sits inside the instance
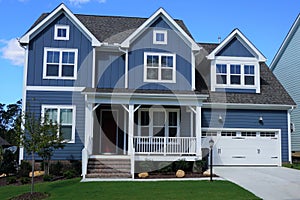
(285, 66)
(137, 89)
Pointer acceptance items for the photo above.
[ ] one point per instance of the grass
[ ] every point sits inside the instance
(293, 166)
(73, 189)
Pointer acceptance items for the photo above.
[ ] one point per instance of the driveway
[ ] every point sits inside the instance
(264, 182)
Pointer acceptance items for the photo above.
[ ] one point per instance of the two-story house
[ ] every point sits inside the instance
(137, 89)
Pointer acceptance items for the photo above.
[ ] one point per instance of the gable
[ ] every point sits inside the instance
(160, 23)
(235, 49)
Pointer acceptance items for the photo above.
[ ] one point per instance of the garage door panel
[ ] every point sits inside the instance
(246, 150)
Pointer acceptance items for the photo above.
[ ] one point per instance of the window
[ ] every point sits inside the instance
(61, 32)
(267, 134)
(221, 74)
(65, 117)
(228, 134)
(160, 37)
(249, 74)
(211, 134)
(159, 67)
(248, 134)
(60, 63)
(235, 74)
(158, 123)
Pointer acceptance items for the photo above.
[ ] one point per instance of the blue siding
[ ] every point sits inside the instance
(46, 39)
(287, 72)
(34, 102)
(272, 119)
(175, 45)
(110, 70)
(235, 48)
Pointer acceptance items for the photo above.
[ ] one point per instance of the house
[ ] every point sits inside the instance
(284, 66)
(128, 89)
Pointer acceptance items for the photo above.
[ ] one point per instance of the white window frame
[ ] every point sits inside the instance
(61, 50)
(166, 111)
(164, 32)
(235, 61)
(160, 67)
(61, 26)
(59, 107)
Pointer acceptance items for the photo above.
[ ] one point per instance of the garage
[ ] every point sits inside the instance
(244, 147)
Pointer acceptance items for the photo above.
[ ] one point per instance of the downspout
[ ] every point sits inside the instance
(289, 134)
(126, 65)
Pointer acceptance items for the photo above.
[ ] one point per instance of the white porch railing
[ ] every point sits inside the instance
(164, 145)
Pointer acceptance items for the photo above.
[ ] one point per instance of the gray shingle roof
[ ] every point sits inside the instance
(271, 90)
(111, 29)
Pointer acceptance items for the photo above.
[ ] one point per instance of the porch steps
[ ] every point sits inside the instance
(108, 168)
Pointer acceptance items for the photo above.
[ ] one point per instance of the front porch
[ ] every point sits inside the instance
(142, 129)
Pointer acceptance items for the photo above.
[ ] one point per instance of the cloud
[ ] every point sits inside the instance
(79, 2)
(12, 51)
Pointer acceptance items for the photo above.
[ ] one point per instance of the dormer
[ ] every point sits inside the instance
(235, 65)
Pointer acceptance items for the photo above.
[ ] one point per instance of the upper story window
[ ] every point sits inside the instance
(61, 32)
(235, 74)
(65, 117)
(160, 37)
(60, 63)
(159, 67)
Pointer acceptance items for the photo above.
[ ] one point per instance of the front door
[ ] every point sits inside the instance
(109, 131)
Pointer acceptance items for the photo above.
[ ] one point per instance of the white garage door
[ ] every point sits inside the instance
(244, 147)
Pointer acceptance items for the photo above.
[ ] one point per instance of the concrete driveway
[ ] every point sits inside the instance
(264, 182)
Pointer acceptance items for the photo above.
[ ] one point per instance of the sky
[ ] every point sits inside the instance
(264, 22)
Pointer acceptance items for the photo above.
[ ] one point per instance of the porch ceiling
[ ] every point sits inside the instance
(144, 97)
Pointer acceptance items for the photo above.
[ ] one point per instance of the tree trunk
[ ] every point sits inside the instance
(32, 173)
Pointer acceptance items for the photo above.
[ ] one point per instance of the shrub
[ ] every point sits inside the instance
(164, 167)
(76, 166)
(25, 180)
(199, 166)
(146, 166)
(70, 174)
(182, 164)
(47, 177)
(8, 165)
(56, 169)
(25, 169)
(11, 180)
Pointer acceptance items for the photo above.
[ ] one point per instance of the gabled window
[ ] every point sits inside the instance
(158, 123)
(60, 63)
(61, 32)
(159, 67)
(160, 37)
(65, 117)
(235, 75)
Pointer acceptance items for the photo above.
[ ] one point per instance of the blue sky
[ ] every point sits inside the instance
(264, 22)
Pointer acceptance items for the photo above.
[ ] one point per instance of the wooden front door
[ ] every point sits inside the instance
(109, 131)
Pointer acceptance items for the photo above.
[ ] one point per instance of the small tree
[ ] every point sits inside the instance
(37, 135)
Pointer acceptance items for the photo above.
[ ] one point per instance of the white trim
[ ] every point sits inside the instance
(60, 64)
(47, 20)
(289, 135)
(94, 69)
(285, 43)
(54, 88)
(160, 67)
(143, 27)
(61, 26)
(193, 61)
(126, 69)
(239, 35)
(59, 107)
(25, 71)
(164, 32)
(248, 106)
(241, 129)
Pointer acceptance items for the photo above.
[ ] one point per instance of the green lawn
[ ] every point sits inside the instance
(73, 189)
(293, 166)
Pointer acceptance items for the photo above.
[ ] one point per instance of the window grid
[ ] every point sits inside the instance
(228, 134)
(267, 134)
(248, 134)
(60, 63)
(61, 32)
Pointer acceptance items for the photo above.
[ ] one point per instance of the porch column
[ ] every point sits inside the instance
(198, 132)
(130, 128)
(88, 144)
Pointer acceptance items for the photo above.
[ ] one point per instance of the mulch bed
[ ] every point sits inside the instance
(29, 196)
(172, 175)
